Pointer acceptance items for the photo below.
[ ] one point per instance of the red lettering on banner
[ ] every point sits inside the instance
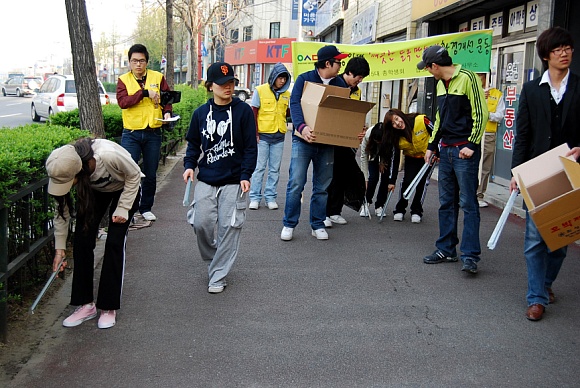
(510, 95)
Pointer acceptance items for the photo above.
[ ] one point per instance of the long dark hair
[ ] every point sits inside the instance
(384, 138)
(376, 147)
(84, 149)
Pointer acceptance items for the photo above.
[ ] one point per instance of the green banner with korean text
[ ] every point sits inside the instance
(398, 60)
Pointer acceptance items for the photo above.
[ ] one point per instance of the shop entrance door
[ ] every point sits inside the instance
(512, 75)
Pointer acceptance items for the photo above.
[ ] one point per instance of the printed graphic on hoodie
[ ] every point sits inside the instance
(223, 145)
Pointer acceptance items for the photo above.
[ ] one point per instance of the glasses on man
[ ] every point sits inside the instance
(339, 62)
(138, 61)
(566, 50)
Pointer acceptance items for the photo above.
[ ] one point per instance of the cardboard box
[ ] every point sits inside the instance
(333, 116)
(550, 185)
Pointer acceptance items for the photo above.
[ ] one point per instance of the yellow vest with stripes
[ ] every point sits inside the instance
(144, 113)
(272, 112)
(492, 101)
(421, 137)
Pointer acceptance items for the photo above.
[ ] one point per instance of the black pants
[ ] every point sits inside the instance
(374, 176)
(112, 272)
(412, 167)
(344, 161)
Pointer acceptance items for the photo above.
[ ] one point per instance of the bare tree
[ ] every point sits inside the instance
(211, 17)
(169, 74)
(84, 70)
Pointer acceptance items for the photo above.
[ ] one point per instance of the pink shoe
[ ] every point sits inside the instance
(81, 314)
(107, 319)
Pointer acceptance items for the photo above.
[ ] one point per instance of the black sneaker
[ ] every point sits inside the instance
(469, 266)
(438, 257)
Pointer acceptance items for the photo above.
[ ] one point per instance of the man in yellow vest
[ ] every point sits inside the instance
(496, 108)
(139, 95)
(270, 105)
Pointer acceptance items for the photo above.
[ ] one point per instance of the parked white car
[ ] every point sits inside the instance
(59, 94)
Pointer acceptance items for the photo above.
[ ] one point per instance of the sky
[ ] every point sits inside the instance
(34, 31)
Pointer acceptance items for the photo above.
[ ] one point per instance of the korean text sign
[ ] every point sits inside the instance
(398, 60)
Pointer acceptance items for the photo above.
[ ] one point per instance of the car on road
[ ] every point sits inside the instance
(59, 94)
(242, 93)
(21, 86)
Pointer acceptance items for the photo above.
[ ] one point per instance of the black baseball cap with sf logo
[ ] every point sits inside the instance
(220, 73)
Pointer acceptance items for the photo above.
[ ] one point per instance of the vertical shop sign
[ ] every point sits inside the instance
(309, 8)
(510, 117)
(496, 23)
(532, 13)
(516, 20)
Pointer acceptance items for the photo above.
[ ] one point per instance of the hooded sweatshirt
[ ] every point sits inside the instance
(226, 135)
(278, 70)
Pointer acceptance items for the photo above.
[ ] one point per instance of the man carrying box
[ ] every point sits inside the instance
(547, 117)
(305, 151)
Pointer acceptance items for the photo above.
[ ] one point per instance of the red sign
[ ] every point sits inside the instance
(260, 51)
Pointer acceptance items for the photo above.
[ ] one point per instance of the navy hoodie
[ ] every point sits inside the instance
(226, 136)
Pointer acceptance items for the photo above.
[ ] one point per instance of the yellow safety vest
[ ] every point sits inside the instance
(492, 101)
(144, 113)
(356, 95)
(420, 140)
(272, 112)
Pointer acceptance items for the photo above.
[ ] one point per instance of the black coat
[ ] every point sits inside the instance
(534, 116)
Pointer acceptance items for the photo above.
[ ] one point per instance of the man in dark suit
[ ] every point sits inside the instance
(548, 116)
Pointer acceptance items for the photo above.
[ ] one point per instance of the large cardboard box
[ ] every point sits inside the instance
(333, 116)
(550, 185)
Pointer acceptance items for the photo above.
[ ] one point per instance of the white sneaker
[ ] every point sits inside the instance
(149, 216)
(337, 219)
(254, 205)
(378, 211)
(398, 217)
(320, 234)
(215, 289)
(415, 218)
(328, 223)
(483, 204)
(364, 211)
(286, 234)
(107, 319)
(272, 205)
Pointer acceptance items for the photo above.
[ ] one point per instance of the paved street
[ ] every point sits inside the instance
(358, 310)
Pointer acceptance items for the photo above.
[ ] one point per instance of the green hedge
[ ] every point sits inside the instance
(23, 152)
(110, 87)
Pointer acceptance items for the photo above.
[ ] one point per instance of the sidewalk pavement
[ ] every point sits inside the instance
(358, 310)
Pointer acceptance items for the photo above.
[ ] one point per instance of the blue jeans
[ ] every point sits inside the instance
(147, 143)
(458, 181)
(543, 265)
(322, 158)
(271, 155)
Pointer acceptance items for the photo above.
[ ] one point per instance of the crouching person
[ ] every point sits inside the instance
(106, 178)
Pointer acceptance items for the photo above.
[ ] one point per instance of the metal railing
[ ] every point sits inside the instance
(30, 241)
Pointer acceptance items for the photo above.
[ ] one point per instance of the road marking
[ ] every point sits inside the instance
(15, 114)
(17, 103)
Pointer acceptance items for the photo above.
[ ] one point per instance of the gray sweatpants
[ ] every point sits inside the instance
(218, 216)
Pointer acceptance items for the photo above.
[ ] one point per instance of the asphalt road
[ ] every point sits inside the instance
(358, 310)
(15, 111)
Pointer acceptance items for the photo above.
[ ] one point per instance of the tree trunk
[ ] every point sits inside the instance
(193, 60)
(84, 70)
(169, 67)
